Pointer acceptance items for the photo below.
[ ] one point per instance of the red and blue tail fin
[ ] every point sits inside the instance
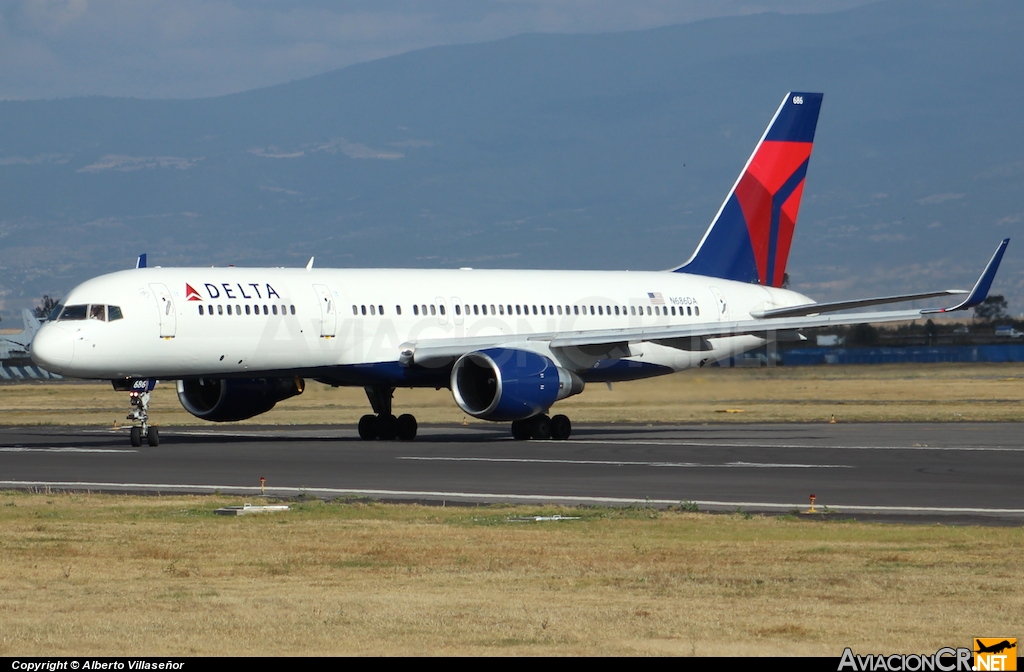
(750, 236)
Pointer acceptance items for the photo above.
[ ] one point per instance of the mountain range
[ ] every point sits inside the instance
(548, 151)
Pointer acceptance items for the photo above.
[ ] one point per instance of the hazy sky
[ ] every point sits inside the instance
(194, 48)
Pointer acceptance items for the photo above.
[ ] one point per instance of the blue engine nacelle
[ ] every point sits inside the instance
(507, 384)
(230, 399)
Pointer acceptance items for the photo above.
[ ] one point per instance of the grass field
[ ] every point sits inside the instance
(891, 393)
(107, 575)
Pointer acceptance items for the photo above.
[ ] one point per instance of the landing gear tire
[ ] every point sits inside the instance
(541, 427)
(153, 437)
(368, 427)
(407, 427)
(561, 427)
(387, 427)
(136, 435)
(521, 430)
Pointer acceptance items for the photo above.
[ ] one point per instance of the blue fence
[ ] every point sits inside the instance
(923, 354)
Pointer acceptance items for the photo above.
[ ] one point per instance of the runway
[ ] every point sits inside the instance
(962, 472)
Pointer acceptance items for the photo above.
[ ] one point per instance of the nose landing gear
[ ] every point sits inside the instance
(138, 396)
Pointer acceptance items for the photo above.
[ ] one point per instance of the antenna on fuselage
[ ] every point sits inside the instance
(141, 261)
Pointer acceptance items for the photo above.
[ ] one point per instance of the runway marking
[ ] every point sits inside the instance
(501, 497)
(709, 444)
(625, 463)
(64, 449)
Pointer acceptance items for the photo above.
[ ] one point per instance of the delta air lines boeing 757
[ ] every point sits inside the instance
(507, 343)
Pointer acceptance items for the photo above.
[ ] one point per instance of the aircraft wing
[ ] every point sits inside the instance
(780, 324)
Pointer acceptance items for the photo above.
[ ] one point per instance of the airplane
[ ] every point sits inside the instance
(507, 343)
(15, 346)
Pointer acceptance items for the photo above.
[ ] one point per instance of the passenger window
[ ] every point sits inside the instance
(373, 310)
(229, 309)
(220, 309)
(476, 309)
(458, 309)
(493, 311)
(398, 310)
(200, 309)
(519, 310)
(442, 309)
(415, 309)
(380, 310)
(501, 309)
(248, 309)
(433, 309)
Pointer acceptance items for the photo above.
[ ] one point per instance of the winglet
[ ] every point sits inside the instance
(310, 264)
(980, 291)
(141, 262)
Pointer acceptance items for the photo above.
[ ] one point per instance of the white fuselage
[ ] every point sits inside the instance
(350, 326)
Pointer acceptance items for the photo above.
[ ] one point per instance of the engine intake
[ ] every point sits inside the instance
(231, 399)
(509, 384)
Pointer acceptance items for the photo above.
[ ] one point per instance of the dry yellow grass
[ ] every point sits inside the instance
(898, 392)
(105, 575)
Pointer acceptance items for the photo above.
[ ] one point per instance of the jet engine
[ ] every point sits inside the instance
(509, 384)
(230, 399)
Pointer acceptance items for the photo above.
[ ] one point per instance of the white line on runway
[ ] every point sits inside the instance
(478, 496)
(62, 449)
(624, 463)
(716, 444)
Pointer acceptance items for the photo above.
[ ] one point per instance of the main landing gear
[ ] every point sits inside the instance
(542, 427)
(383, 425)
(139, 399)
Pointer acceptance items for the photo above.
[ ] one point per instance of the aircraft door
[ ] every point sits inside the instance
(328, 311)
(165, 306)
(723, 305)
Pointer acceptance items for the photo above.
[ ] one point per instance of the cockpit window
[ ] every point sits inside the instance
(52, 317)
(73, 313)
(95, 311)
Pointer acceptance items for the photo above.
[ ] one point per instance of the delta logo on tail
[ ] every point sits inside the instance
(750, 237)
(191, 294)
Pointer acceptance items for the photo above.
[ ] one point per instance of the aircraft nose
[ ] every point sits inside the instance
(53, 348)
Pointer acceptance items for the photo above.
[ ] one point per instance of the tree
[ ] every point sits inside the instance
(43, 311)
(991, 309)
